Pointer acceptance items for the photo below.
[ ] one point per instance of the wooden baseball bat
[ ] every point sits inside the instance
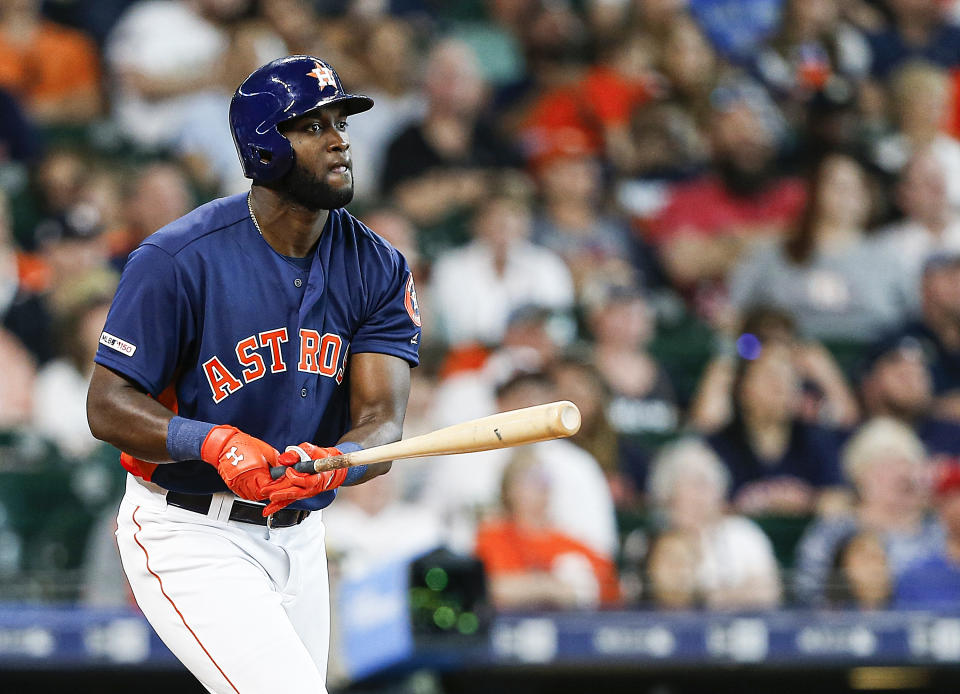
(553, 420)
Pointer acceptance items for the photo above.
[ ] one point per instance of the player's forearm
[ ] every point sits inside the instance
(379, 388)
(369, 434)
(126, 417)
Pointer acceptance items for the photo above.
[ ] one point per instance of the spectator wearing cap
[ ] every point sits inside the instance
(620, 81)
(475, 288)
(778, 463)
(71, 246)
(68, 239)
(887, 466)
(708, 223)
(571, 219)
(938, 330)
(933, 582)
(839, 284)
(930, 224)
(896, 382)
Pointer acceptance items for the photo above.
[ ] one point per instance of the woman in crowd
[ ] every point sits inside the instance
(779, 463)
(886, 464)
(735, 567)
(827, 395)
(531, 564)
(840, 285)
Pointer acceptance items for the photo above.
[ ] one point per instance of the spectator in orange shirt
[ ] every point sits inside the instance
(614, 88)
(529, 564)
(52, 69)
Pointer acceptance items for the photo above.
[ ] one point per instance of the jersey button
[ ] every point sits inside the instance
(298, 283)
(303, 392)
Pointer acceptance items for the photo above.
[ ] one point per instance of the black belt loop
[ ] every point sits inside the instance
(241, 511)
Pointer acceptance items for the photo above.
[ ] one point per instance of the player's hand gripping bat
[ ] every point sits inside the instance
(554, 420)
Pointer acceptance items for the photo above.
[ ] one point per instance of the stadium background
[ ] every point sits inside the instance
(727, 229)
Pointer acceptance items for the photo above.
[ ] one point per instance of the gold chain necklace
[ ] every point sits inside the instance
(252, 215)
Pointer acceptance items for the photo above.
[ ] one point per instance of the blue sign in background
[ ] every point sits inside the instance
(375, 633)
(373, 619)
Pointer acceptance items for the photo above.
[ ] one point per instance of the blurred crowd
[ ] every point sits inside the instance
(728, 230)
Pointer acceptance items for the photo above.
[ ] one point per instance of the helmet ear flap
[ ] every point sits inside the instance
(269, 158)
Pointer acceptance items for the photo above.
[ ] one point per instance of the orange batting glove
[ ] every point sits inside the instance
(300, 485)
(243, 461)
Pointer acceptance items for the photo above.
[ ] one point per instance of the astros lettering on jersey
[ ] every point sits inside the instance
(210, 321)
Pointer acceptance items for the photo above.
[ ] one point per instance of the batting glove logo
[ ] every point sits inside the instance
(233, 457)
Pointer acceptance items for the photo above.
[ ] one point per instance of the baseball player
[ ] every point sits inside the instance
(263, 322)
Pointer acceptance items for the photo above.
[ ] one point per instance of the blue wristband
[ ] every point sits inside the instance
(185, 438)
(354, 474)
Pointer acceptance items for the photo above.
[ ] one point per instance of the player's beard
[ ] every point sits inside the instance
(308, 190)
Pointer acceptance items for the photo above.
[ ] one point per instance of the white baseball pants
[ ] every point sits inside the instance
(245, 609)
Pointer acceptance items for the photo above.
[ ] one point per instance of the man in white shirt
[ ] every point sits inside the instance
(476, 287)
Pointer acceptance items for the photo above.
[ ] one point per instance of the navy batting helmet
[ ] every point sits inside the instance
(277, 92)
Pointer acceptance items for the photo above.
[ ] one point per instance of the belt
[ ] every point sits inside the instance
(241, 511)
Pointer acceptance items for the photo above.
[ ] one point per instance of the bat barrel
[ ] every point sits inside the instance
(552, 420)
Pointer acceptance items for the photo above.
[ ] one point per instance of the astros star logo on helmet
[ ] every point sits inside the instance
(324, 76)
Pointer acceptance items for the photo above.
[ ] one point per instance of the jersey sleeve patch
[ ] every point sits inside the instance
(410, 301)
(115, 343)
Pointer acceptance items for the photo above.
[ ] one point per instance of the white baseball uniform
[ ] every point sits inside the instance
(225, 595)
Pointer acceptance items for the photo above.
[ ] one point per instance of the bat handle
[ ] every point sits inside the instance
(334, 462)
(310, 467)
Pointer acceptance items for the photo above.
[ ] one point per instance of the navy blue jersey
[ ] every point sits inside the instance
(215, 324)
(813, 456)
